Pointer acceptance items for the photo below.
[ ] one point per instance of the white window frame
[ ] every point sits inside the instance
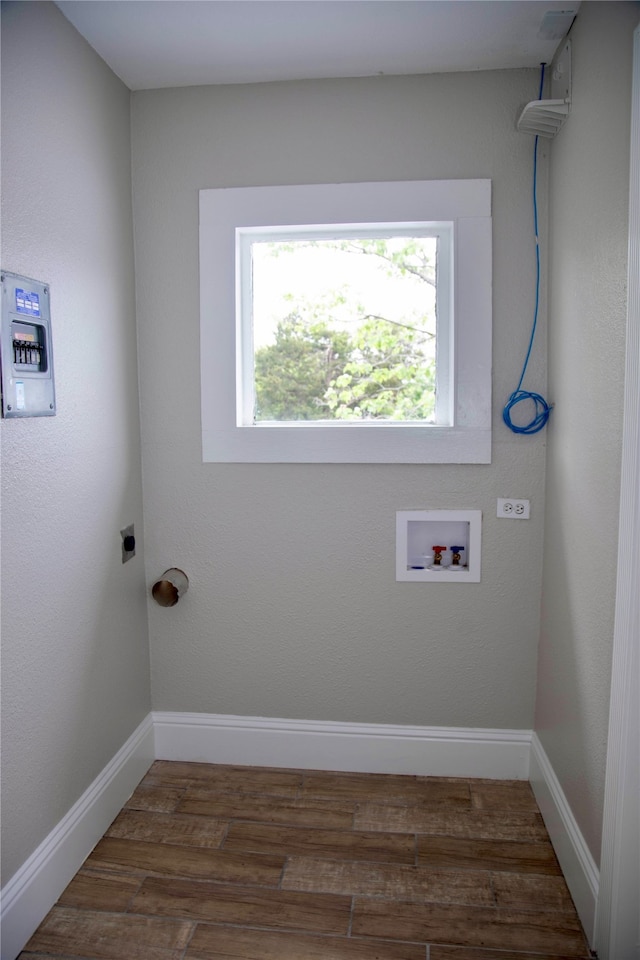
(227, 213)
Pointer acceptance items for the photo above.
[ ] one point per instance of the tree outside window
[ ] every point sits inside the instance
(344, 329)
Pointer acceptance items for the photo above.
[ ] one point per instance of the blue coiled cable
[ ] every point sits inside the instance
(542, 408)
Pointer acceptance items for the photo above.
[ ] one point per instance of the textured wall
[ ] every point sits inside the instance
(588, 213)
(74, 631)
(293, 609)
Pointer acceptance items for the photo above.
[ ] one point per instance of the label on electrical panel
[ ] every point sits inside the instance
(19, 395)
(28, 303)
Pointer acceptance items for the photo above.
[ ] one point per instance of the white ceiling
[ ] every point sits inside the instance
(166, 43)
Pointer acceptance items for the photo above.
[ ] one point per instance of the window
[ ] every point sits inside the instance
(346, 323)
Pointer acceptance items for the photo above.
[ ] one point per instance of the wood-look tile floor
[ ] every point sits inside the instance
(237, 863)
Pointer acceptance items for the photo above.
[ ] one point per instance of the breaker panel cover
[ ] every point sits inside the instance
(28, 388)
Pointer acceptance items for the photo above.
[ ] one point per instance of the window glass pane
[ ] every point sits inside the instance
(344, 328)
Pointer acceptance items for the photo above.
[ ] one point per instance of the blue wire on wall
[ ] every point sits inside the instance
(542, 408)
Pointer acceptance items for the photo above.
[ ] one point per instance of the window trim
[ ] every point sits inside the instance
(224, 212)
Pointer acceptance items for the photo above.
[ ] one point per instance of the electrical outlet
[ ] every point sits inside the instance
(512, 509)
(128, 543)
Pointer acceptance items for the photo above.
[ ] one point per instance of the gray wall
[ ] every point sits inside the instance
(293, 609)
(75, 667)
(588, 214)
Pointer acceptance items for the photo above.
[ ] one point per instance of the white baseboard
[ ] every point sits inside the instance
(32, 891)
(356, 747)
(578, 866)
(302, 744)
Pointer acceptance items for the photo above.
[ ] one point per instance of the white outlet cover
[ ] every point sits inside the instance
(513, 508)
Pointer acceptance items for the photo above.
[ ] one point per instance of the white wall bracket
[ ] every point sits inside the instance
(543, 118)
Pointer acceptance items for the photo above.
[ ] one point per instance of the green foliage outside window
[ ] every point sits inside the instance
(339, 356)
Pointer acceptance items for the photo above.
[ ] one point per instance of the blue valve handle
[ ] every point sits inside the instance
(456, 549)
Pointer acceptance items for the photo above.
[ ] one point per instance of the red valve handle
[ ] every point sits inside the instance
(439, 549)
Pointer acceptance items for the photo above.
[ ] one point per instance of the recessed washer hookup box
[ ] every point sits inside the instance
(438, 546)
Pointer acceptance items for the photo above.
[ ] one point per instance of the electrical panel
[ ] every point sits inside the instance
(28, 387)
